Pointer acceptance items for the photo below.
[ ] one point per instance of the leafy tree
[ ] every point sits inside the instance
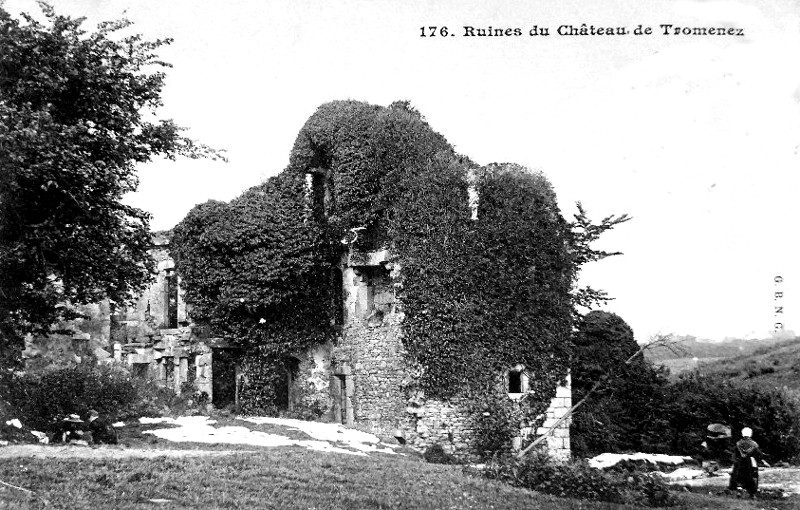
(625, 412)
(584, 233)
(74, 108)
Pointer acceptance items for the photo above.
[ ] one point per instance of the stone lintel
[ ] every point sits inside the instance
(371, 258)
(133, 346)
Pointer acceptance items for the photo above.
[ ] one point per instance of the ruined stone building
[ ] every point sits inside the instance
(154, 338)
(364, 377)
(361, 378)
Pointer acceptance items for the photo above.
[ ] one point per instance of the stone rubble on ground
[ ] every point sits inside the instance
(15, 422)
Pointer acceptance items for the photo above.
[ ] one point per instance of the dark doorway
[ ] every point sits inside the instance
(140, 370)
(342, 380)
(223, 376)
(172, 299)
(169, 372)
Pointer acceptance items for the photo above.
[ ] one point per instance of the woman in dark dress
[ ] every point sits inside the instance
(746, 456)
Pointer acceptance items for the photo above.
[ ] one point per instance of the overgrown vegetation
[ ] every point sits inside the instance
(638, 409)
(478, 295)
(39, 399)
(576, 479)
(496, 420)
(697, 400)
(626, 411)
(74, 125)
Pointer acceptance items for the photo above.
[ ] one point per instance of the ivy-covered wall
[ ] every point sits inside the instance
(478, 277)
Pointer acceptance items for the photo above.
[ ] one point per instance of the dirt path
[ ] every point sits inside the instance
(104, 452)
(786, 479)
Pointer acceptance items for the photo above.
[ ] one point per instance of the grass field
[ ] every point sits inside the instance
(677, 366)
(283, 477)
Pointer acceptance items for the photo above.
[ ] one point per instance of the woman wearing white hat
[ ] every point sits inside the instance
(746, 456)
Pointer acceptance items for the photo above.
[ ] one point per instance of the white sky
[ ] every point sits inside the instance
(697, 138)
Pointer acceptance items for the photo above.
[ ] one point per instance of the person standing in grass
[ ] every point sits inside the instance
(746, 456)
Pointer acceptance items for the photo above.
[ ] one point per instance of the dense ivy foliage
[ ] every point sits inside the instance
(256, 270)
(479, 295)
(360, 154)
(75, 109)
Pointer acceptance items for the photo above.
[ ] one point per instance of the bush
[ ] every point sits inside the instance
(37, 399)
(435, 454)
(495, 420)
(573, 479)
(579, 480)
(698, 400)
(626, 412)
(643, 413)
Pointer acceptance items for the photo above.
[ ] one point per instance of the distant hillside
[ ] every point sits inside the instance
(691, 347)
(777, 364)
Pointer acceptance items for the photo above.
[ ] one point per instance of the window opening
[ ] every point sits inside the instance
(515, 382)
(172, 299)
(169, 372)
(140, 370)
(338, 297)
(378, 297)
(321, 193)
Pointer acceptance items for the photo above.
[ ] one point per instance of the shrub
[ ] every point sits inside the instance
(494, 420)
(577, 479)
(698, 400)
(308, 410)
(572, 479)
(626, 412)
(435, 454)
(39, 398)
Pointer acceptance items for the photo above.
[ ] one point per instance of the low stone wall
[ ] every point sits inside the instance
(438, 422)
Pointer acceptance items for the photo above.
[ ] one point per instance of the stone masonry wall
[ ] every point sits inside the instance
(371, 381)
(558, 441)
